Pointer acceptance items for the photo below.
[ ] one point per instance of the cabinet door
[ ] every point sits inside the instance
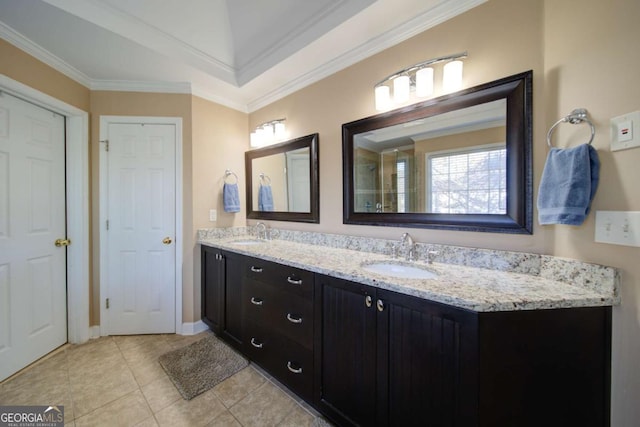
(232, 327)
(431, 360)
(213, 289)
(346, 363)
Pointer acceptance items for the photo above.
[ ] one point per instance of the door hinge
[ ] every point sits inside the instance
(107, 224)
(106, 144)
(107, 303)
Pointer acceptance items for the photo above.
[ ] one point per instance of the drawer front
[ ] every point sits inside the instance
(287, 361)
(288, 314)
(288, 279)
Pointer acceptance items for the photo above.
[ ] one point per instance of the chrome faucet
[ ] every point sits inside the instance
(261, 231)
(407, 240)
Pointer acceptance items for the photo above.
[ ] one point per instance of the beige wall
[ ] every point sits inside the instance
(582, 54)
(220, 138)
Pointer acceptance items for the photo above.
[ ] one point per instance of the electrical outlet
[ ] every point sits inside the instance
(618, 228)
(213, 215)
(623, 134)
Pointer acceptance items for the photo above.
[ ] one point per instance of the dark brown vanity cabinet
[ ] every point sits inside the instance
(387, 359)
(221, 299)
(390, 359)
(278, 311)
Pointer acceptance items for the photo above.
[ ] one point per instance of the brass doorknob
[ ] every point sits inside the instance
(62, 242)
(166, 240)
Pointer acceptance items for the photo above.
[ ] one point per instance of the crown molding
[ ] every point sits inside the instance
(23, 43)
(201, 92)
(140, 86)
(398, 34)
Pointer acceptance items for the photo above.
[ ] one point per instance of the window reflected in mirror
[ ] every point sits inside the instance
(451, 163)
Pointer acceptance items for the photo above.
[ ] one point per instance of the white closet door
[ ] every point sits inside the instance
(33, 296)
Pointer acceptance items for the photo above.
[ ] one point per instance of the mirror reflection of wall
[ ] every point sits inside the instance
(288, 177)
(452, 163)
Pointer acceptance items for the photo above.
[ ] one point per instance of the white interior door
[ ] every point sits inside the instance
(141, 248)
(33, 298)
(299, 182)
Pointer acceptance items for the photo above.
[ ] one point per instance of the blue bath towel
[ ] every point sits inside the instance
(265, 198)
(569, 182)
(231, 198)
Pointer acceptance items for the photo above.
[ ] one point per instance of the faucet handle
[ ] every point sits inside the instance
(430, 255)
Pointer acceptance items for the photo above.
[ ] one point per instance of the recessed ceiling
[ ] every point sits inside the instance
(241, 53)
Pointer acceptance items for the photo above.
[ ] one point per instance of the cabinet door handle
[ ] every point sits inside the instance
(256, 269)
(294, 370)
(256, 301)
(293, 281)
(367, 301)
(256, 344)
(380, 305)
(293, 319)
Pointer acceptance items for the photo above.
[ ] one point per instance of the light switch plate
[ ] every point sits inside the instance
(213, 215)
(618, 228)
(625, 131)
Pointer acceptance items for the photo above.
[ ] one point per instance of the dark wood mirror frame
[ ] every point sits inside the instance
(310, 141)
(517, 90)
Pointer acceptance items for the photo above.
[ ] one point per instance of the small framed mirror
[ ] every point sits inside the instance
(283, 181)
(459, 162)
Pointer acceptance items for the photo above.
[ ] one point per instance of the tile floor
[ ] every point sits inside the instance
(117, 381)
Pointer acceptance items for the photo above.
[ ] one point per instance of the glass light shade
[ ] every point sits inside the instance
(254, 139)
(280, 131)
(401, 89)
(452, 79)
(383, 99)
(424, 82)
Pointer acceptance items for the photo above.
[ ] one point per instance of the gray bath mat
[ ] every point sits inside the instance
(198, 367)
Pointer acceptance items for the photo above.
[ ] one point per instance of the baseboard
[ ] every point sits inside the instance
(94, 332)
(193, 328)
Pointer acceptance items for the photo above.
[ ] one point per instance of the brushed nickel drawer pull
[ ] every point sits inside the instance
(293, 281)
(256, 301)
(293, 319)
(380, 305)
(255, 344)
(256, 269)
(294, 370)
(367, 300)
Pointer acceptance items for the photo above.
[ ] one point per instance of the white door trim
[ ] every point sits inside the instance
(77, 178)
(104, 125)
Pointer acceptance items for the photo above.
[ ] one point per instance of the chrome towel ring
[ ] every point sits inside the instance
(227, 174)
(577, 116)
(265, 178)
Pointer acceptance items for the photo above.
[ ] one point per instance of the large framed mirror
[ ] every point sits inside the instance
(459, 162)
(283, 181)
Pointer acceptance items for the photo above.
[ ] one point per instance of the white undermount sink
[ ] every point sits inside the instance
(400, 270)
(247, 242)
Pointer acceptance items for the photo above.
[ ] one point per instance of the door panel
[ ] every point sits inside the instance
(33, 298)
(141, 214)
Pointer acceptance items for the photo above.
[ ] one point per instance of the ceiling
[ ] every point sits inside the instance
(243, 54)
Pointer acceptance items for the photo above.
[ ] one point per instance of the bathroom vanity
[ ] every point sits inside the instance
(365, 349)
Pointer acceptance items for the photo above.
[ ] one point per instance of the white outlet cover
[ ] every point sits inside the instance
(620, 141)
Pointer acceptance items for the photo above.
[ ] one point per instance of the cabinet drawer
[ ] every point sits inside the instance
(289, 314)
(289, 362)
(288, 279)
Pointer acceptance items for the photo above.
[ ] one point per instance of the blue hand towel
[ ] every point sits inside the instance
(569, 182)
(265, 198)
(231, 198)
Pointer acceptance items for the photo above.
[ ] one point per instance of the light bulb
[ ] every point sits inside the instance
(452, 79)
(401, 88)
(383, 99)
(424, 82)
(280, 131)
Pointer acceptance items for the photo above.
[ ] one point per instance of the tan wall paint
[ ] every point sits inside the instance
(26, 69)
(582, 55)
(104, 103)
(592, 61)
(220, 138)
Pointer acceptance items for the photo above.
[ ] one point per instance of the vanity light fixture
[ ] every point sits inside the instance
(268, 133)
(420, 78)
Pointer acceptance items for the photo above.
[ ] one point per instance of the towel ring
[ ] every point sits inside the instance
(227, 174)
(265, 179)
(577, 116)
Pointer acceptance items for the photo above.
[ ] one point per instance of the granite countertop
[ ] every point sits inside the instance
(471, 288)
